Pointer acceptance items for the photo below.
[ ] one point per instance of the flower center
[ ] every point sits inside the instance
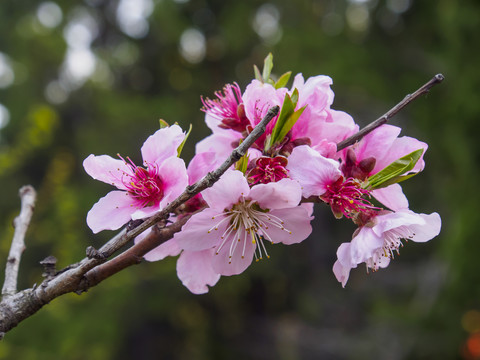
(346, 199)
(392, 241)
(247, 222)
(228, 108)
(268, 170)
(143, 184)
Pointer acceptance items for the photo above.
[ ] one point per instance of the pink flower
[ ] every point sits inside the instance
(321, 177)
(142, 191)
(378, 241)
(374, 152)
(232, 231)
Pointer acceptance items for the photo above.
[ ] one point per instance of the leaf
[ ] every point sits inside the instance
(283, 80)
(180, 147)
(292, 119)
(392, 174)
(287, 118)
(258, 75)
(163, 124)
(242, 164)
(267, 68)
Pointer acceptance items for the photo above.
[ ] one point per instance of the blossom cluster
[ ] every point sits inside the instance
(267, 197)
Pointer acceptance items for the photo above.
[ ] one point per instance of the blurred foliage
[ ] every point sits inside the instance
(95, 76)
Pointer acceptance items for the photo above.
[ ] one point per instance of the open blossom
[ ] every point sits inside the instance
(374, 152)
(321, 177)
(238, 223)
(142, 191)
(379, 240)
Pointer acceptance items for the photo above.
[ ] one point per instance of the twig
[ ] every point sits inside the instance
(27, 302)
(437, 79)
(27, 195)
(132, 256)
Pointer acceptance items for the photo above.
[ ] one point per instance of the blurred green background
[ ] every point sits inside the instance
(94, 76)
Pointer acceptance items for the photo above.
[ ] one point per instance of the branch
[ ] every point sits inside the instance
(437, 79)
(132, 256)
(27, 302)
(27, 195)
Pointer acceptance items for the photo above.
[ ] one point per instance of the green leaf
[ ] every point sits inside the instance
(283, 80)
(267, 68)
(258, 75)
(397, 179)
(163, 124)
(292, 119)
(242, 164)
(180, 147)
(287, 118)
(392, 174)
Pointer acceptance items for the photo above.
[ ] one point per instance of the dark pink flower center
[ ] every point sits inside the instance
(268, 170)
(346, 198)
(228, 108)
(143, 184)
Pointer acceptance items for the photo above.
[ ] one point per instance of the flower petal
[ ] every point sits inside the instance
(110, 212)
(363, 245)
(174, 178)
(341, 272)
(107, 169)
(194, 269)
(199, 233)
(226, 191)
(392, 197)
(377, 142)
(285, 193)
(311, 170)
(168, 248)
(429, 230)
(241, 258)
(400, 147)
(162, 144)
(297, 224)
(200, 165)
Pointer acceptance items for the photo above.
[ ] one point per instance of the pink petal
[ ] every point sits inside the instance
(392, 197)
(364, 244)
(285, 193)
(219, 143)
(226, 191)
(429, 229)
(316, 92)
(110, 212)
(162, 144)
(341, 273)
(199, 233)
(344, 256)
(200, 165)
(194, 269)
(107, 169)
(168, 248)
(375, 143)
(174, 177)
(297, 224)
(145, 212)
(258, 98)
(311, 170)
(400, 147)
(224, 265)
(397, 219)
